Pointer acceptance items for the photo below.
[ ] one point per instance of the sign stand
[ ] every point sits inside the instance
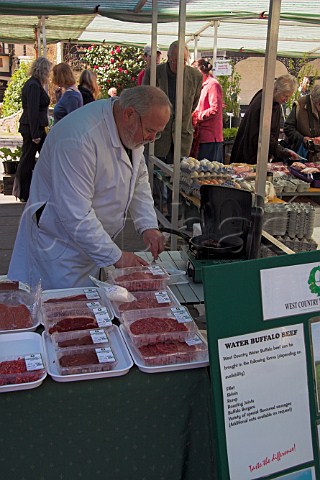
(263, 321)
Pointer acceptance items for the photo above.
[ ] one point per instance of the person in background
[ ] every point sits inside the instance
(88, 86)
(166, 77)
(147, 58)
(298, 128)
(112, 92)
(71, 99)
(245, 147)
(208, 115)
(91, 172)
(34, 119)
(304, 87)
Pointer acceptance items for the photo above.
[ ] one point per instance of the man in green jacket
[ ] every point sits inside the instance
(166, 77)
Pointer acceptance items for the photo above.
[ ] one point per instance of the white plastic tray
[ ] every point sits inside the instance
(163, 368)
(21, 344)
(123, 366)
(22, 330)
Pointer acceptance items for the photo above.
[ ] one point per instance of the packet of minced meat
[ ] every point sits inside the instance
(19, 305)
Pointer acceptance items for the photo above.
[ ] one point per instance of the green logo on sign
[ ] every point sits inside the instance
(314, 286)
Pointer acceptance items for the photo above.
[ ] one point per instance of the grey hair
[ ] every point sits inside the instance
(40, 69)
(285, 84)
(315, 94)
(173, 47)
(143, 98)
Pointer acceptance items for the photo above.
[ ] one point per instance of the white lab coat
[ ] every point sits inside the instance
(86, 183)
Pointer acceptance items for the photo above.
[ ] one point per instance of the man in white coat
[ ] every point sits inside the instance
(90, 173)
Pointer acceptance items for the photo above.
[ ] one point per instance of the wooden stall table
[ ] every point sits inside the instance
(139, 426)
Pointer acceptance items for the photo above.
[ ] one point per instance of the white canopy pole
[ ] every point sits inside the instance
(178, 121)
(195, 53)
(267, 96)
(154, 34)
(149, 149)
(215, 43)
(44, 38)
(39, 40)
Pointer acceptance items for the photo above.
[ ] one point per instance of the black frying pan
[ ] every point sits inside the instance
(208, 244)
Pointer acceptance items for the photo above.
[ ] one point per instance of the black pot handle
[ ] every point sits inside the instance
(183, 235)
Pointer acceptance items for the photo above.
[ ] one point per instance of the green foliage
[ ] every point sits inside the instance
(231, 91)
(305, 69)
(12, 96)
(6, 154)
(115, 66)
(230, 133)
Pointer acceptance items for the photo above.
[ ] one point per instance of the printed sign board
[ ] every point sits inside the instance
(265, 366)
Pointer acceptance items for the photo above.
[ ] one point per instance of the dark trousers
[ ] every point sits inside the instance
(26, 165)
(212, 151)
(164, 192)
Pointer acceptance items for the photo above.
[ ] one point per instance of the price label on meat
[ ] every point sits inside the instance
(155, 270)
(102, 316)
(196, 340)
(99, 336)
(93, 305)
(181, 314)
(105, 355)
(34, 362)
(162, 297)
(266, 401)
(91, 293)
(24, 286)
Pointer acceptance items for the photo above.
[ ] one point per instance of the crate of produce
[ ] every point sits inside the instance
(71, 361)
(146, 327)
(136, 279)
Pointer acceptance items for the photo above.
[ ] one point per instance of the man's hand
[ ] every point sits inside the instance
(154, 240)
(129, 259)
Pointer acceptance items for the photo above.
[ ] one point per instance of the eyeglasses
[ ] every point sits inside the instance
(156, 135)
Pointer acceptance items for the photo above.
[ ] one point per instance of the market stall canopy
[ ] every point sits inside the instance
(242, 25)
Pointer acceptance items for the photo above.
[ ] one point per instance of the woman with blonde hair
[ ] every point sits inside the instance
(71, 99)
(34, 119)
(88, 86)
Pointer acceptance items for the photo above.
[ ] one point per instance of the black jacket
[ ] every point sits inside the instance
(35, 103)
(245, 147)
(86, 95)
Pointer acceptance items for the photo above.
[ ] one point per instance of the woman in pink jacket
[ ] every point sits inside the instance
(207, 118)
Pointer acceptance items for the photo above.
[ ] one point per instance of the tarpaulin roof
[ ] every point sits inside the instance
(242, 24)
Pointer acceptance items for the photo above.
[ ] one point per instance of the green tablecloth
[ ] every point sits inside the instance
(136, 427)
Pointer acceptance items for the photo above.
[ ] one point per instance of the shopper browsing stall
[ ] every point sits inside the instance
(208, 115)
(245, 147)
(34, 119)
(91, 172)
(302, 127)
(71, 99)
